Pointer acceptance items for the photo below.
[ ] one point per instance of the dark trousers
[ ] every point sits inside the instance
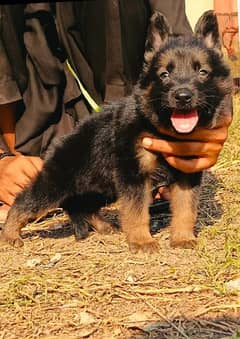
(103, 41)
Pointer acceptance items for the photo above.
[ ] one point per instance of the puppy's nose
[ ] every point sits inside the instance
(183, 95)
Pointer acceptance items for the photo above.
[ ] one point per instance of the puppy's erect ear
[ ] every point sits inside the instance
(207, 29)
(158, 32)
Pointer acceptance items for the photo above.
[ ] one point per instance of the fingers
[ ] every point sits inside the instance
(7, 198)
(218, 134)
(180, 149)
(36, 162)
(11, 186)
(204, 154)
(202, 135)
(191, 165)
(30, 167)
(15, 174)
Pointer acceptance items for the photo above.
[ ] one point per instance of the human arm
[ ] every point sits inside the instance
(15, 171)
(203, 146)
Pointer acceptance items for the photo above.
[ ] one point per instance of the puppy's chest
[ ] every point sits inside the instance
(148, 161)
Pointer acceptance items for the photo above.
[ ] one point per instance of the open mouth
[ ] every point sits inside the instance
(184, 121)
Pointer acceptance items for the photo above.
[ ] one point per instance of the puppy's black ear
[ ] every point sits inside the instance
(207, 29)
(158, 31)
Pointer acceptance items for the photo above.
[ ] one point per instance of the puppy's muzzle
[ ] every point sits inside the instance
(183, 97)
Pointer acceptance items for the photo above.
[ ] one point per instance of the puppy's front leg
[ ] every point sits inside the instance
(184, 203)
(135, 219)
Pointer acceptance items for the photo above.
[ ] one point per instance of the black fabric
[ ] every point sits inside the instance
(85, 30)
(42, 114)
(12, 28)
(115, 77)
(104, 42)
(174, 10)
(43, 98)
(84, 47)
(9, 91)
(134, 21)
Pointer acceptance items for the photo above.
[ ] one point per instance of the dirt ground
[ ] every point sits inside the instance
(56, 287)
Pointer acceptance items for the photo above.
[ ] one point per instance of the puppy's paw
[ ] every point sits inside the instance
(149, 247)
(183, 241)
(80, 232)
(101, 226)
(11, 240)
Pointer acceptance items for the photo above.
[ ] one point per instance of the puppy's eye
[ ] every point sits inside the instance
(164, 75)
(203, 72)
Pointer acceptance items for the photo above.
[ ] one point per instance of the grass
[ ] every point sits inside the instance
(57, 288)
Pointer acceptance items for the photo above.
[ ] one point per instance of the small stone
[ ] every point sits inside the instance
(33, 262)
(54, 260)
(233, 285)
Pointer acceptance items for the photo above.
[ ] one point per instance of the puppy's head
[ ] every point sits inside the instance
(184, 80)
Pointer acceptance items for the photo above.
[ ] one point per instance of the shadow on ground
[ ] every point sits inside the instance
(210, 210)
(210, 328)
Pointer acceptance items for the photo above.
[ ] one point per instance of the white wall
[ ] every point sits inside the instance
(195, 8)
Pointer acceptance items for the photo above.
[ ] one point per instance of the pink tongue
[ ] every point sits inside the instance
(184, 122)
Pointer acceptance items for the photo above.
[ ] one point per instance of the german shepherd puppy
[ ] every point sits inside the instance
(184, 84)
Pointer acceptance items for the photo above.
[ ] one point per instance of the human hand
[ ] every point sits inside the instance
(202, 146)
(15, 173)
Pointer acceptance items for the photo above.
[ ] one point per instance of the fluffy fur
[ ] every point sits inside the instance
(103, 161)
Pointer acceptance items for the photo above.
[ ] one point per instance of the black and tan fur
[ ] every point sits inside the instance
(103, 160)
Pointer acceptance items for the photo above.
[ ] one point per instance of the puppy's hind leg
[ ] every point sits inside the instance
(100, 225)
(82, 223)
(33, 201)
(83, 213)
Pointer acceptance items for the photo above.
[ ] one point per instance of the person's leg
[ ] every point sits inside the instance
(9, 94)
(174, 10)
